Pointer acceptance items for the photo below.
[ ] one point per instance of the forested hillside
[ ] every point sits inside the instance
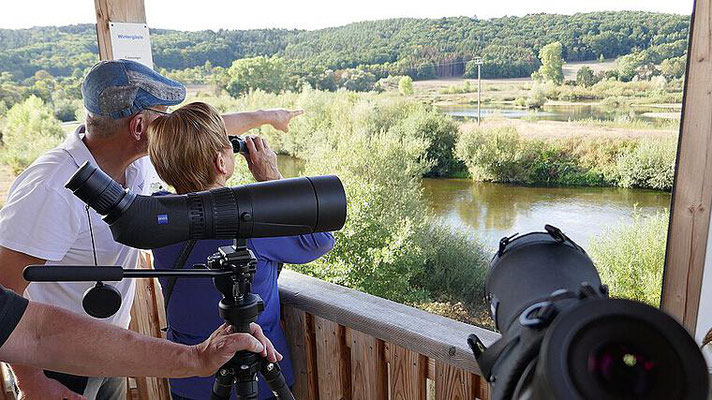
(421, 48)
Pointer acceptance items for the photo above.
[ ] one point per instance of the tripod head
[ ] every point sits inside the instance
(239, 306)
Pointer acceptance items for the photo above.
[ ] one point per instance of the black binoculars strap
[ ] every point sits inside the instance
(180, 263)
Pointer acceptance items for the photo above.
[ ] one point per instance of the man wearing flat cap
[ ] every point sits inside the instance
(44, 223)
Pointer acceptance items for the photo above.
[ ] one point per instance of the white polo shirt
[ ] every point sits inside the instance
(43, 219)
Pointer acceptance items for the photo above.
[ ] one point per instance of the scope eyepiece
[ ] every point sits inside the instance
(98, 190)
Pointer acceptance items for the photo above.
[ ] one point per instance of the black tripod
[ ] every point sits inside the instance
(240, 307)
(232, 269)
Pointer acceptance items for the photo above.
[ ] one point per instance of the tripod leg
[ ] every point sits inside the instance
(224, 380)
(275, 380)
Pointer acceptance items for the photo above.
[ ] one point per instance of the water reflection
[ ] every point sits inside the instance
(289, 166)
(564, 113)
(492, 211)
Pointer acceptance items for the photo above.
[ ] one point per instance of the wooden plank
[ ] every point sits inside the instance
(299, 330)
(145, 320)
(692, 190)
(484, 389)
(408, 371)
(369, 371)
(431, 335)
(332, 365)
(452, 383)
(115, 11)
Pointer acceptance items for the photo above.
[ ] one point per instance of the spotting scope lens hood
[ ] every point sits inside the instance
(285, 207)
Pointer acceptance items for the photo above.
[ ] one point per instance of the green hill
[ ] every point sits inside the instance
(422, 48)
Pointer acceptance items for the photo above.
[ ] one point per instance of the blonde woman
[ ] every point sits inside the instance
(191, 152)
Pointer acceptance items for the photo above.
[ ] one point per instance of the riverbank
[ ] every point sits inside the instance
(518, 152)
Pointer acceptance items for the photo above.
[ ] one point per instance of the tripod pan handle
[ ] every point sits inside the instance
(72, 273)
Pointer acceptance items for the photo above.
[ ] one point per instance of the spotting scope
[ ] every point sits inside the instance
(563, 338)
(285, 207)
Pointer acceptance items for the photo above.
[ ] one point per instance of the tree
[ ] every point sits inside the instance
(405, 86)
(673, 68)
(268, 74)
(585, 77)
(552, 63)
(30, 130)
(358, 80)
(504, 62)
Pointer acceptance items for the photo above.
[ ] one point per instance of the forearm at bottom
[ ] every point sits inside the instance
(59, 340)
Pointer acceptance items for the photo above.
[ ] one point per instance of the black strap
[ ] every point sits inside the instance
(279, 268)
(180, 263)
(488, 357)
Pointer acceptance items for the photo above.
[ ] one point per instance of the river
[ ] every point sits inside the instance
(492, 210)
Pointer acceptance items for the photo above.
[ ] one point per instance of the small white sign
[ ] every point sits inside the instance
(131, 41)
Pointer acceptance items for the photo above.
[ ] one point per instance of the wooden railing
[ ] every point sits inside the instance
(345, 345)
(350, 345)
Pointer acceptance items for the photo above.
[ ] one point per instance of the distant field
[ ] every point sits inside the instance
(561, 130)
(570, 70)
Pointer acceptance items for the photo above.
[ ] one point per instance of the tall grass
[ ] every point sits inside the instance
(630, 257)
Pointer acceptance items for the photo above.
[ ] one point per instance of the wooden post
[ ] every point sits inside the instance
(115, 11)
(692, 192)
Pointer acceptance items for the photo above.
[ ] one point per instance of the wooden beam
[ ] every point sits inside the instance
(108, 11)
(452, 383)
(332, 362)
(299, 329)
(408, 371)
(369, 371)
(692, 191)
(433, 336)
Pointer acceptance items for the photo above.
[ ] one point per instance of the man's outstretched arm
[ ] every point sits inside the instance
(241, 122)
(59, 340)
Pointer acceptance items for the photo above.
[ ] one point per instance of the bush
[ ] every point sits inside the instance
(405, 86)
(455, 266)
(440, 132)
(67, 110)
(630, 257)
(492, 155)
(268, 74)
(650, 165)
(500, 155)
(537, 97)
(30, 130)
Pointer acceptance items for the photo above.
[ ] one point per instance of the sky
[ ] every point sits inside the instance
(308, 14)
